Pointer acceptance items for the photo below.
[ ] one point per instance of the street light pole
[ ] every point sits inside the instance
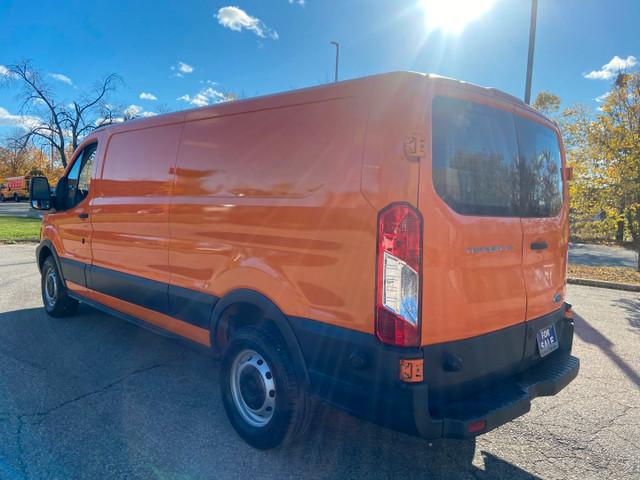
(532, 41)
(337, 57)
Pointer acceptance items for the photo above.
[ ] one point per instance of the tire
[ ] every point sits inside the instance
(57, 302)
(264, 400)
(16, 198)
(2, 198)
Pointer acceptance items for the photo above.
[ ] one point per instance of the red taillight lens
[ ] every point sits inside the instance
(399, 274)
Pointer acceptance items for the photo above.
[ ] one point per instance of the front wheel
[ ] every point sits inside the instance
(262, 395)
(2, 198)
(56, 300)
(16, 198)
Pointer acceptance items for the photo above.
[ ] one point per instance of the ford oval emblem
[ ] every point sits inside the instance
(556, 298)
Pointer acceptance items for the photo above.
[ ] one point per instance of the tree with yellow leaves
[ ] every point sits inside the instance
(604, 148)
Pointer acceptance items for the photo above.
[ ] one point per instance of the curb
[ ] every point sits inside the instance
(9, 241)
(601, 284)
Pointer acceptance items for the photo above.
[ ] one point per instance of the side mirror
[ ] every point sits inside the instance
(40, 194)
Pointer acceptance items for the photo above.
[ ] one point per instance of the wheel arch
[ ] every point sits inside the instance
(46, 249)
(244, 307)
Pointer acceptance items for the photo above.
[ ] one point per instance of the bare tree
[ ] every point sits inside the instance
(60, 124)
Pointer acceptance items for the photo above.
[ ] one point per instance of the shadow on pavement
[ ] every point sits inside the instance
(591, 335)
(157, 408)
(633, 309)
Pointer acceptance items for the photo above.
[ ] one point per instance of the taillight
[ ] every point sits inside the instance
(399, 275)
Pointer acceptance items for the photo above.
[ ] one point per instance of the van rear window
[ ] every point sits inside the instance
(490, 162)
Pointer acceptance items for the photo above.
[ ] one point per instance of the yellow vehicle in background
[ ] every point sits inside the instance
(16, 189)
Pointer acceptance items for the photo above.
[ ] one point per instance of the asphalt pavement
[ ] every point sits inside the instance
(92, 396)
(602, 256)
(22, 208)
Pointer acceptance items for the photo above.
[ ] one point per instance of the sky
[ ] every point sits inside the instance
(175, 55)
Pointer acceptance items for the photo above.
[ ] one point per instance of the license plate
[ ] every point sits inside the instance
(547, 340)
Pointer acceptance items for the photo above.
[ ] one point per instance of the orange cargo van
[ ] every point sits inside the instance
(395, 245)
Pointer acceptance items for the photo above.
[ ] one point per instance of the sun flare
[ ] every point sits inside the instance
(453, 15)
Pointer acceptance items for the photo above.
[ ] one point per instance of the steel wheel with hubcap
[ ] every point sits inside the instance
(253, 388)
(262, 395)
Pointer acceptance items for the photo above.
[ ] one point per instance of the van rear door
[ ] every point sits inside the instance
(544, 219)
(495, 217)
(469, 198)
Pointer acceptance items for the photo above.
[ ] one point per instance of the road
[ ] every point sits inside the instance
(22, 208)
(602, 256)
(92, 396)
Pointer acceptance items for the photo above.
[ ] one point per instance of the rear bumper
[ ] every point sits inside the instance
(494, 380)
(506, 400)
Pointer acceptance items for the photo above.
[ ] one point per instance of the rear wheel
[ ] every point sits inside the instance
(264, 400)
(56, 300)
(16, 198)
(2, 198)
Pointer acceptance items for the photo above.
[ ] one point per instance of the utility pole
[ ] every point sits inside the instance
(532, 41)
(337, 57)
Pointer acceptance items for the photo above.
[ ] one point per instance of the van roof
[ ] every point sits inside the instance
(392, 77)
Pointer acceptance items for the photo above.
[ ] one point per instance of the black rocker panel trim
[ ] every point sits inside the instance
(181, 303)
(73, 271)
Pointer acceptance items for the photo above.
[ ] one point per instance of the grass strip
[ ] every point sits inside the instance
(14, 228)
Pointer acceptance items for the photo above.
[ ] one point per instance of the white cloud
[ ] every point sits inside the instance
(21, 121)
(602, 97)
(4, 72)
(236, 19)
(62, 78)
(185, 68)
(299, 2)
(199, 100)
(130, 113)
(205, 97)
(611, 69)
(148, 96)
(181, 69)
(133, 111)
(101, 121)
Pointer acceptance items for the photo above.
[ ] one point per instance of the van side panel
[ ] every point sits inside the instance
(131, 210)
(395, 113)
(278, 210)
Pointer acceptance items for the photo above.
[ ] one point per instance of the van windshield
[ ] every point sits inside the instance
(490, 162)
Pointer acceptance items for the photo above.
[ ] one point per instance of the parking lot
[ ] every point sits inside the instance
(92, 396)
(22, 209)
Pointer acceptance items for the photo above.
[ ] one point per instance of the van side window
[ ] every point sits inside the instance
(79, 178)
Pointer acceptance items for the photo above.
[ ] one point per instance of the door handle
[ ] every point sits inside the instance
(539, 245)
(83, 215)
